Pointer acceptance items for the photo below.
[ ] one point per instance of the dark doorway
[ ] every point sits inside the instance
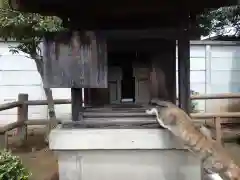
(128, 80)
(125, 60)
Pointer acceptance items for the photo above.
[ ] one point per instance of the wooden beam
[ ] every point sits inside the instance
(140, 45)
(9, 105)
(149, 33)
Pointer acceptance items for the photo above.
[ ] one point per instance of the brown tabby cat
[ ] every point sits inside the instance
(215, 158)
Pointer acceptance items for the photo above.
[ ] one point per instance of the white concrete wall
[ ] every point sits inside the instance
(224, 73)
(198, 72)
(225, 69)
(18, 74)
(215, 68)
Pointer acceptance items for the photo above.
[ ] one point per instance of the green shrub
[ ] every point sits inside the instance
(194, 104)
(11, 167)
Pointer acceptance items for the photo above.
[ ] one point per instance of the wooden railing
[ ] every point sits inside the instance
(22, 117)
(23, 121)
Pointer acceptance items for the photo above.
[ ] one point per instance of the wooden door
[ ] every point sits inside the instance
(114, 84)
(142, 94)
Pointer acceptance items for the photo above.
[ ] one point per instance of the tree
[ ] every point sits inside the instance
(220, 21)
(28, 30)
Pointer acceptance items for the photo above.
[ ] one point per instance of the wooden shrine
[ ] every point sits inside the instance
(132, 44)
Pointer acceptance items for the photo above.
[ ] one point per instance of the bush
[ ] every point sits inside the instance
(194, 104)
(11, 167)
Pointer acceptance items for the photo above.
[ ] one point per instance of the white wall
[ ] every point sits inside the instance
(197, 72)
(18, 74)
(224, 73)
(215, 68)
(225, 69)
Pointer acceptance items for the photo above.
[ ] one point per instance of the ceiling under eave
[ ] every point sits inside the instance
(128, 14)
(119, 7)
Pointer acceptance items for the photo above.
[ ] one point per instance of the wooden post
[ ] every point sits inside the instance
(217, 122)
(76, 94)
(184, 72)
(3, 140)
(22, 116)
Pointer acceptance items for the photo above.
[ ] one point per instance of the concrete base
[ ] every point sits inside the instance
(122, 154)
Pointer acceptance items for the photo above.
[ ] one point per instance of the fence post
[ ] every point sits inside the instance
(217, 122)
(22, 116)
(3, 140)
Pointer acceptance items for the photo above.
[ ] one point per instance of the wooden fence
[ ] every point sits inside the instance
(23, 121)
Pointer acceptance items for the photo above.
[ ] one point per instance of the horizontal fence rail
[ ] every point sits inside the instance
(214, 115)
(9, 105)
(216, 96)
(23, 121)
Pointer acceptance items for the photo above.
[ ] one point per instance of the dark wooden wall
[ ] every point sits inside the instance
(164, 63)
(163, 59)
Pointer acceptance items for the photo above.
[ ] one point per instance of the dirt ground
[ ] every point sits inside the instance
(42, 164)
(36, 156)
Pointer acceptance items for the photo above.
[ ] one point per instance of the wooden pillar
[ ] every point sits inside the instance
(184, 71)
(76, 96)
